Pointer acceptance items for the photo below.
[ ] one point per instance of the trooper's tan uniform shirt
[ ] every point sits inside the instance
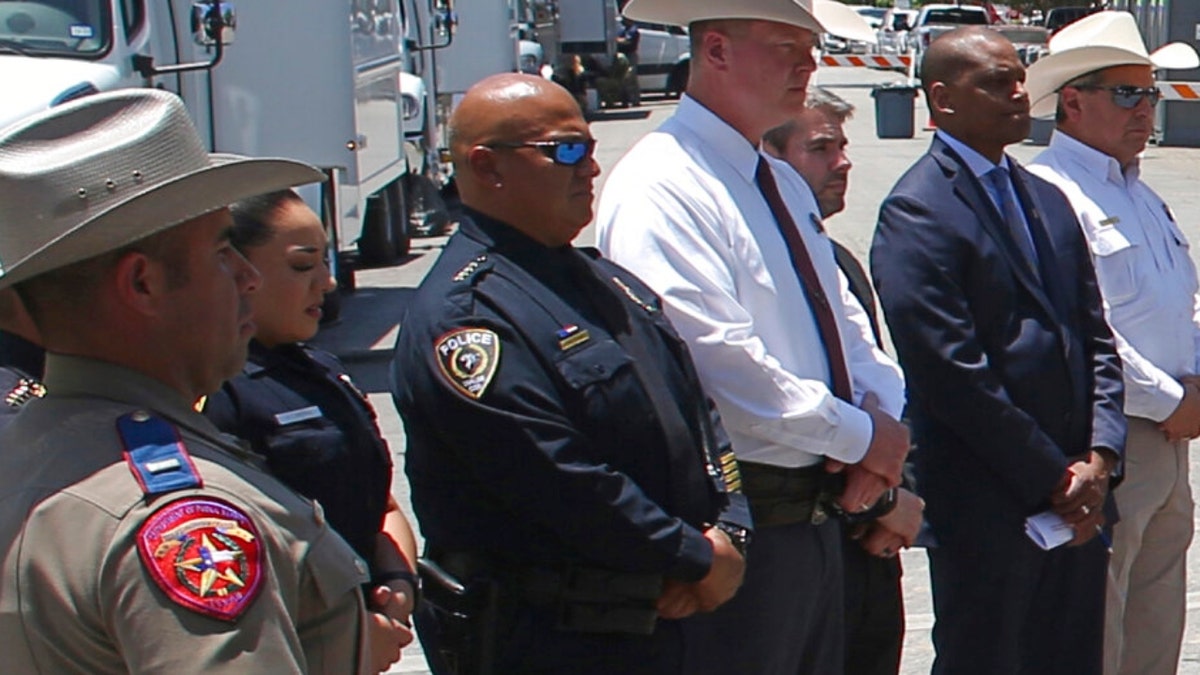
(75, 596)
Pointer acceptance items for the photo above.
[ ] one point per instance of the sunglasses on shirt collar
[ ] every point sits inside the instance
(1127, 96)
(564, 153)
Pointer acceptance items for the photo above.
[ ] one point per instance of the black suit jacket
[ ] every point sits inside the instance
(1011, 372)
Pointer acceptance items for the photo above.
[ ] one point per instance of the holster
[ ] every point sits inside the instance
(462, 639)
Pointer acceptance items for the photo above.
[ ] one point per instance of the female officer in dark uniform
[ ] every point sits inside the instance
(297, 406)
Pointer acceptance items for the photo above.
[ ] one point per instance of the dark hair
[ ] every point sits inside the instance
(251, 216)
(817, 98)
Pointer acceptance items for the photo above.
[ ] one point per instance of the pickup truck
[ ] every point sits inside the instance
(934, 20)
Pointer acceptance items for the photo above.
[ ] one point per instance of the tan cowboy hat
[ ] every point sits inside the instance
(1102, 40)
(96, 174)
(819, 16)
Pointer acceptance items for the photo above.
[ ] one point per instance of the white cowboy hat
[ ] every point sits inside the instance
(1102, 40)
(819, 16)
(97, 174)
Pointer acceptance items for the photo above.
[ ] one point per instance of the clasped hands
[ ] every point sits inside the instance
(389, 628)
(681, 599)
(881, 468)
(1080, 495)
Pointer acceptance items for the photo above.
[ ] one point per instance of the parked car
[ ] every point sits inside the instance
(1060, 17)
(664, 55)
(933, 20)
(893, 32)
(874, 18)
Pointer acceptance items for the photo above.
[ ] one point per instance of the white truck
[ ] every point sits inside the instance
(462, 44)
(313, 80)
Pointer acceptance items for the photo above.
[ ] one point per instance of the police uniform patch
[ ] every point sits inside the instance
(468, 358)
(205, 554)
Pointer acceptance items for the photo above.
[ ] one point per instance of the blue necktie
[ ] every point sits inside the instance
(1010, 211)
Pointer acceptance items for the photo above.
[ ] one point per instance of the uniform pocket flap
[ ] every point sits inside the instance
(597, 362)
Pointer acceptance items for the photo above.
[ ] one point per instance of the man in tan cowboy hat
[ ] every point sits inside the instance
(1098, 80)
(134, 536)
(731, 239)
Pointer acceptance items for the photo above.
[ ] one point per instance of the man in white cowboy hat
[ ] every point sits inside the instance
(1014, 382)
(731, 239)
(134, 536)
(1098, 81)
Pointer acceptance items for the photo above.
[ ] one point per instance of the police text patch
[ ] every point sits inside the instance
(468, 358)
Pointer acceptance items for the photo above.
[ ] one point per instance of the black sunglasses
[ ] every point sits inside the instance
(566, 153)
(1127, 96)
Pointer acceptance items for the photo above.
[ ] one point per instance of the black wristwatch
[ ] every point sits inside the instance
(739, 536)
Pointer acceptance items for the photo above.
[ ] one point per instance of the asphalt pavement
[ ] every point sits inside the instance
(365, 334)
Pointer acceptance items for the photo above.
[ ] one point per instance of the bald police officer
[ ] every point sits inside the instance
(563, 457)
(134, 536)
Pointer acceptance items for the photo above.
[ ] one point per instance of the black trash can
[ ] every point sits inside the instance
(894, 104)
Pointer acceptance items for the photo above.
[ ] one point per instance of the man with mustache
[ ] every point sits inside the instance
(814, 144)
(1099, 82)
(731, 238)
(563, 457)
(135, 537)
(1015, 387)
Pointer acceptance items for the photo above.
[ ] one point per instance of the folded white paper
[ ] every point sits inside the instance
(1048, 530)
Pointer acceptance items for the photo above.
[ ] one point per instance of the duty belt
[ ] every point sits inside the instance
(585, 599)
(785, 496)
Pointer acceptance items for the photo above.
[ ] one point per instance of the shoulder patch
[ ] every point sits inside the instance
(156, 455)
(204, 554)
(468, 358)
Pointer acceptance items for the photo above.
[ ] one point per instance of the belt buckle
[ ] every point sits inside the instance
(819, 514)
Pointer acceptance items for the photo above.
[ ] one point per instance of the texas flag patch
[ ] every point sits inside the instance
(468, 358)
(205, 554)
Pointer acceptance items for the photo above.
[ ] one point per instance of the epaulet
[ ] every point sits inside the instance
(469, 270)
(24, 391)
(156, 455)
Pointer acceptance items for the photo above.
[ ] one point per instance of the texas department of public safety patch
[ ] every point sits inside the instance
(468, 358)
(205, 554)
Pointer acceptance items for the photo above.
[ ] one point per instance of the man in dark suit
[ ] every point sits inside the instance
(1015, 389)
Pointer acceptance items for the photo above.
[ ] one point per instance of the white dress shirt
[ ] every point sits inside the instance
(682, 211)
(1146, 276)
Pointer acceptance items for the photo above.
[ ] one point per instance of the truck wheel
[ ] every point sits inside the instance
(429, 214)
(677, 80)
(385, 234)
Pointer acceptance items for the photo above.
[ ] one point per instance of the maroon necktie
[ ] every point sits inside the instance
(802, 263)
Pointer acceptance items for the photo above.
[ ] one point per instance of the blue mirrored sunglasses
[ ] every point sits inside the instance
(566, 153)
(1127, 96)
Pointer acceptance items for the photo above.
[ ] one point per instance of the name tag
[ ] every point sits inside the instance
(302, 415)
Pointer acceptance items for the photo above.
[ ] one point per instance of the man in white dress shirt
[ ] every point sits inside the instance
(1101, 80)
(725, 234)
